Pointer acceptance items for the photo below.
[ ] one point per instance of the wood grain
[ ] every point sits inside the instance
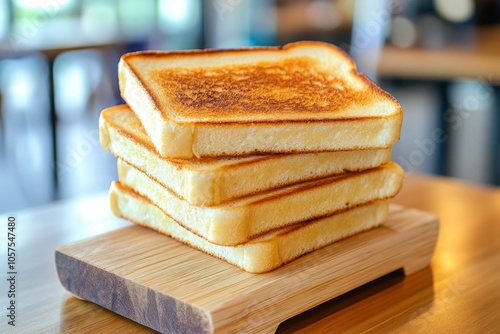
(170, 287)
(459, 292)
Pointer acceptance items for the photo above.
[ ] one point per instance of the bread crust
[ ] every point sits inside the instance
(254, 91)
(262, 253)
(302, 97)
(236, 222)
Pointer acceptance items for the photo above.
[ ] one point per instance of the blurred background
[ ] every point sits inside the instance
(58, 70)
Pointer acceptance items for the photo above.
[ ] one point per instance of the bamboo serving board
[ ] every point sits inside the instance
(167, 286)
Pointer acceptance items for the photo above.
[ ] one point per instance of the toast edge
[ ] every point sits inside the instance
(169, 138)
(174, 139)
(241, 220)
(348, 61)
(111, 134)
(186, 142)
(270, 248)
(377, 133)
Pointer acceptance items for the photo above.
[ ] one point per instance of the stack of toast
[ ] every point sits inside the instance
(256, 156)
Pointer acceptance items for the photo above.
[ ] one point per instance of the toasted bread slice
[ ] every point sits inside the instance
(209, 181)
(238, 221)
(302, 97)
(264, 253)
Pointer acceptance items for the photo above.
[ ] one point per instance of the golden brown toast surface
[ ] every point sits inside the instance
(303, 81)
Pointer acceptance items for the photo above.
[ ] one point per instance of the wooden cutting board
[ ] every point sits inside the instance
(167, 286)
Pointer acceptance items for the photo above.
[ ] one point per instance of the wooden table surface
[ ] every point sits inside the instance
(459, 292)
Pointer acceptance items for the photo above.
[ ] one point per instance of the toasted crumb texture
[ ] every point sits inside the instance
(259, 100)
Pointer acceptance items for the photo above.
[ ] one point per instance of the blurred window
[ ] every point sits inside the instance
(180, 23)
(99, 19)
(137, 17)
(175, 16)
(29, 16)
(4, 18)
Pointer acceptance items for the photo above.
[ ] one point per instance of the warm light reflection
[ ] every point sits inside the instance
(446, 260)
(455, 243)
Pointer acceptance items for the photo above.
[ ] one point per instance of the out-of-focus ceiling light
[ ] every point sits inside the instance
(403, 32)
(176, 16)
(432, 31)
(456, 11)
(323, 15)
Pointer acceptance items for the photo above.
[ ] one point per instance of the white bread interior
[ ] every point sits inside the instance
(261, 254)
(210, 130)
(209, 181)
(238, 221)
